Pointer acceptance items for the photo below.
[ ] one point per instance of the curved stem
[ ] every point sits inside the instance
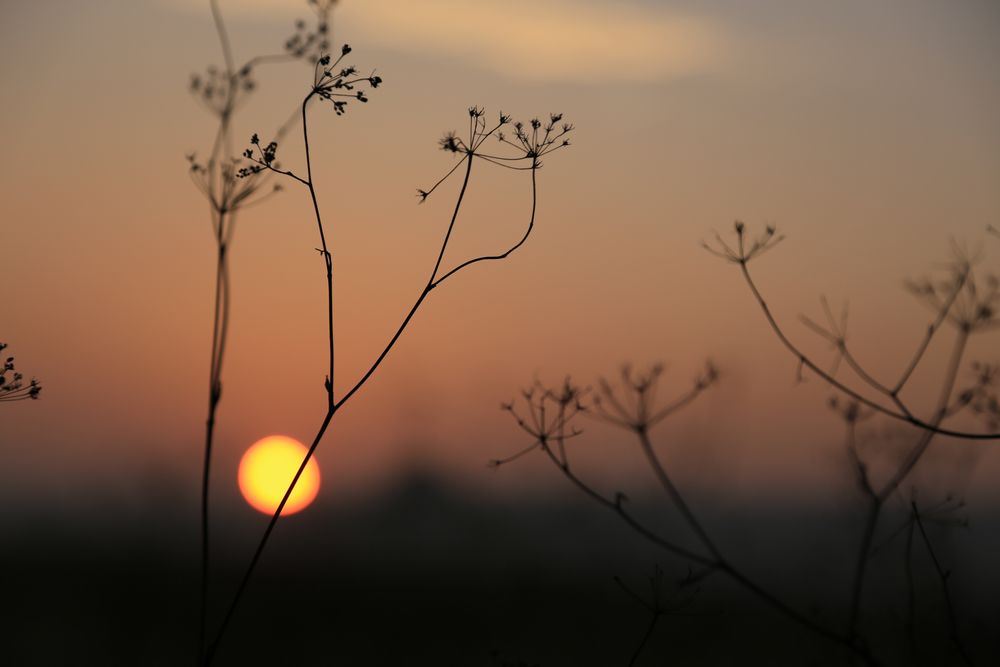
(837, 384)
(645, 638)
(214, 395)
(940, 412)
(334, 405)
(914, 456)
(220, 27)
(861, 564)
(327, 258)
(675, 495)
(943, 575)
(527, 233)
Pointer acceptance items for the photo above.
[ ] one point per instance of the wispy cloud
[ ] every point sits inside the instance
(575, 41)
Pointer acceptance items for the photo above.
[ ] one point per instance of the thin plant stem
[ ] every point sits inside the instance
(334, 405)
(861, 564)
(675, 495)
(645, 638)
(840, 386)
(722, 564)
(618, 508)
(901, 473)
(911, 595)
(715, 563)
(220, 325)
(943, 576)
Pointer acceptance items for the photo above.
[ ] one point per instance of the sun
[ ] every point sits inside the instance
(266, 470)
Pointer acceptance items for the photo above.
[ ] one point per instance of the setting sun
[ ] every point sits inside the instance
(266, 470)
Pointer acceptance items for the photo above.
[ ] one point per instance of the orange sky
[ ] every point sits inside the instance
(867, 132)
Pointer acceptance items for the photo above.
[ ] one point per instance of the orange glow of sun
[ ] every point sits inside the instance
(266, 470)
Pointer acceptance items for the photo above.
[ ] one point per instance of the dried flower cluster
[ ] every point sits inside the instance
(220, 92)
(12, 386)
(335, 86)
(636, 408)
(982, 396)
(971, 304)
(746, 248)
(530, 143)
(311, 43)
(234, 191)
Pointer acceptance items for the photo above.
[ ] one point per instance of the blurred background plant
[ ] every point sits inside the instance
(959, 299)
(223, 91)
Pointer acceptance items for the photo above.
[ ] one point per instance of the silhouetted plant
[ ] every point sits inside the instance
(547, 415)
(12, 386)
(955, 299)
(960, 300)
(658, 605)
(223, 91)
(943, 576)
(943, 513)
(340, 85)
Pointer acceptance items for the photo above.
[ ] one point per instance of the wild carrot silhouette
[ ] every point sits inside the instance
(548, 416)
(223, 91)
(956, 300)
(340, 86)
(959, 300)
(12, 386)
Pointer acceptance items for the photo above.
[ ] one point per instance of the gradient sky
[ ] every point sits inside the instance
(867, 132)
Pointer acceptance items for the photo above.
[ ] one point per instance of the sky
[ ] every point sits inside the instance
(866, 132)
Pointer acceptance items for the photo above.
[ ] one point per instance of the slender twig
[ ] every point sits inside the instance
(322, 88)
(969, 317)
(944, 576)
(220, 317)
(654, 619)
(715, 561)
(616, 505)
(911, 593)
(675, 495)
(840, 386)
(225, 196)
(902, 471)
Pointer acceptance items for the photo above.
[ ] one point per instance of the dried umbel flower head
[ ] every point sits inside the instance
(220, 92)
(335, 86)
(262, 157)
(525, 146)
(982, 396)
(634, 405)
(550, 413)
(851, 411)
(12, 386)
(311, 42)
(238, 186)
(339, 85)
(746, 248)
(971, 304)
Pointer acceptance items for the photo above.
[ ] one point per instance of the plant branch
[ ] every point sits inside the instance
(944, 576)
(837, 384)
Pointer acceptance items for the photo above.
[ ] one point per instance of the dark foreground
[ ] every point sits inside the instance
(428, 576)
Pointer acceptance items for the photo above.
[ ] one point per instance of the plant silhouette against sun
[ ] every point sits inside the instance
(12, 386)
(222, 92)
(341, 85)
